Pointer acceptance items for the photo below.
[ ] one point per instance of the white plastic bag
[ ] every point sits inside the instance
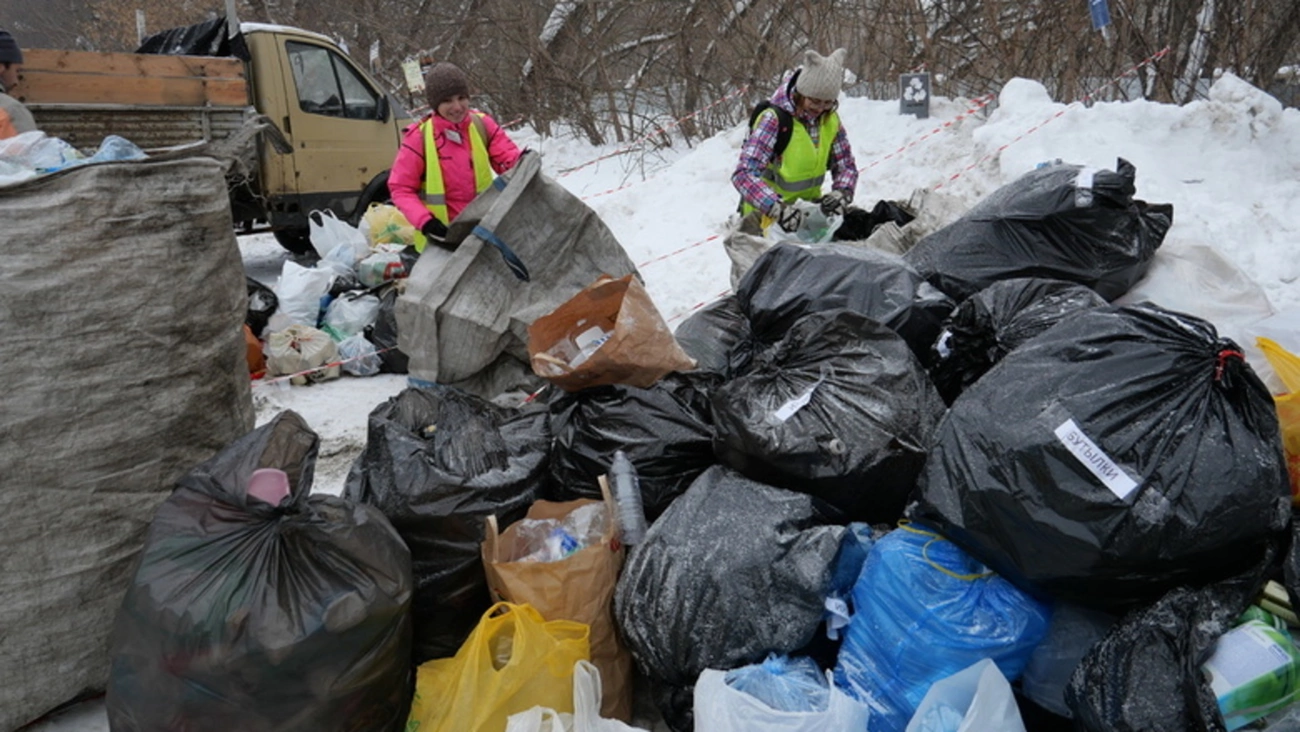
(359, 356)
(816, 228)
(586, 710)
(297, 349)
(299, 291)
(347, 315)
(721, 708)
(330, 232)
(975, 699)
(380, 267)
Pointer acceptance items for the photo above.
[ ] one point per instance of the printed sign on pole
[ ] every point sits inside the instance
(914, 94)
(414, 77)
(1100, 13)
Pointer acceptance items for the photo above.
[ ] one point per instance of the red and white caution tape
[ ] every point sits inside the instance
(322, 367)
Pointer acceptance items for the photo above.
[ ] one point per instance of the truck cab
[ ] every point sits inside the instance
(343, 129)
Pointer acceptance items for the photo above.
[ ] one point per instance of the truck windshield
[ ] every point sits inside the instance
(328, 85)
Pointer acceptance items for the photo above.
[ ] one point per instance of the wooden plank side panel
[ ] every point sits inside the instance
(89, 77)
(86, 127)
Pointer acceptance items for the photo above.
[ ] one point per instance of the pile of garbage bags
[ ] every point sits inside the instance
(956, 489)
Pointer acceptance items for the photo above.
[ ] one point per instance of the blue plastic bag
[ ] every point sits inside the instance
(924, 610)
(783, 683)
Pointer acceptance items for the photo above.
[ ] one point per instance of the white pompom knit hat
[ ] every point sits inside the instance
(822, 77)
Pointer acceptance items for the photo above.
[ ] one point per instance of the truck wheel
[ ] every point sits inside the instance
(297, 241)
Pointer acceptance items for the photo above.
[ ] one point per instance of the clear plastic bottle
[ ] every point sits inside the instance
(626, 487)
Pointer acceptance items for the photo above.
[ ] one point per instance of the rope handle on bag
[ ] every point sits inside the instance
(906, 525)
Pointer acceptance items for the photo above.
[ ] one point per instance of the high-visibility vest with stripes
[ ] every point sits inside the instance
(801, 169)
(435, 192)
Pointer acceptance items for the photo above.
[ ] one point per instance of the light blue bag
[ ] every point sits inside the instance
(924, 610)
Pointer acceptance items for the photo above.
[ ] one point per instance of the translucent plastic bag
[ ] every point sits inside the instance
(302, 352)
(358, 356)
(350, 315)
(975, 699)
(586, 710)
(816, 227)
(388, 226)
(783, 683)
(719, 707)
(327, 232)
(380, 267)
(513, 661)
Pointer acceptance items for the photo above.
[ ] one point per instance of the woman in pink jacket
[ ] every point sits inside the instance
(471, 149)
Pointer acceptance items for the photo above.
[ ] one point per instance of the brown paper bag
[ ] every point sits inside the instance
(610, 333)
(579, 588)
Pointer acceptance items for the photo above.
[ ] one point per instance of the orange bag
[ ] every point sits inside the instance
(253, 352)
(610, 333)
(1287, 366)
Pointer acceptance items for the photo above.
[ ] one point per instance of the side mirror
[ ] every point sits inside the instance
(381, 109)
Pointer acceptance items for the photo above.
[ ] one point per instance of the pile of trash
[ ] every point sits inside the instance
(949, 489)
(336, 316)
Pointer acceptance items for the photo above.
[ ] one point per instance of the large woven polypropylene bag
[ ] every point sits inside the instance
(122, 297)
(464, 317)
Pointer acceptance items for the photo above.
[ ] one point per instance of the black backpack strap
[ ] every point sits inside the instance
(785, 122)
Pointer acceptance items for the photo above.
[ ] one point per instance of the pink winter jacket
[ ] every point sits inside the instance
(406, 180)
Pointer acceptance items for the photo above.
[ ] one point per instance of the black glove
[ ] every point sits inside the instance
(788, 217)
(435, 231)
(835, 203)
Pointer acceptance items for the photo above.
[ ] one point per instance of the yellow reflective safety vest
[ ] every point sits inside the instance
(435, 191)
(801, 169)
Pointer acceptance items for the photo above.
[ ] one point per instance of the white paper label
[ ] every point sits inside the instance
(1097, 462)
(787, 410)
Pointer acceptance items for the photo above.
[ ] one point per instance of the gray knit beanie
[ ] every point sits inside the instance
(443, 81)
(9, 51)
(822, 77)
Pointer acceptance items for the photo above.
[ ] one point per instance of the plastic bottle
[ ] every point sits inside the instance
(627, 496)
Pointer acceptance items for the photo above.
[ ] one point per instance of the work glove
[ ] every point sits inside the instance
(788, 217)
(435, 231)
(835, 203)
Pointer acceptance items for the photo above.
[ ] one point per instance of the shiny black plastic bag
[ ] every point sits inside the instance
(1064, 222)
(1122, 453)
(260, 618)
(788, 282)
(665, 430)
(383, 334)
(994, 321)
(841, 409)
(1145, 674)
(438, 462)
(262, 303)
(717, 337)
(733, 570)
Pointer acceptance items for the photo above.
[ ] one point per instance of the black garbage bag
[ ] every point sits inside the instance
(841, 409)
(859, 223)
(438, 462)
(384, 333)
(732, 571)
(994, 321)
(1122, 453)
(665, 431)
(262, 303)
(1064, 222)
(260, 618)
(788, 282)
(1145, 674)
(717, 337)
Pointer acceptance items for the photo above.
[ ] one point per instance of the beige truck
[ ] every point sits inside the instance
(331, 131)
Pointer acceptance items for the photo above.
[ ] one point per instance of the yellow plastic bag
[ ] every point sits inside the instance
(514, 660)
(388, 225)
(1287, 366)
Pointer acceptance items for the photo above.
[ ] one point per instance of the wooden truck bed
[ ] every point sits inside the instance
(153, 101)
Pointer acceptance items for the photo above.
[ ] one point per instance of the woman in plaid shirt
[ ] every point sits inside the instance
(769, 182)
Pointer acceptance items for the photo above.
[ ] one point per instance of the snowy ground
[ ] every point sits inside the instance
(1230, 165)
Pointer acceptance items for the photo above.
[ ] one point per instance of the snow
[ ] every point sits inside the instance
(1230, 165)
